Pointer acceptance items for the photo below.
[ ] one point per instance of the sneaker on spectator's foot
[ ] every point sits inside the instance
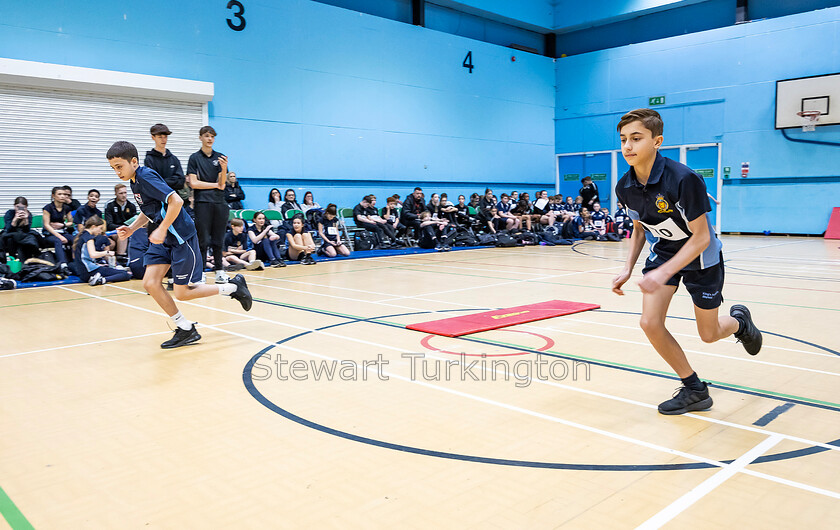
(7, 284)
(308, 259)
(96, 279)
(446, 248)
(222, 277)
(278, 263)
(242, 294)
(234, 267)
(748, 335)
(255, 265)
(65, 270)
(687, 400)
(182, 337)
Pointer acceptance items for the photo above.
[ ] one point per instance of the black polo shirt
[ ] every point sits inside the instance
(673, 196)
(207, 169)
(360, 210)
(116, 215)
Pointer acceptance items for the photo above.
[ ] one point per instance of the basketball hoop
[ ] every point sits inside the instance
(809, 119)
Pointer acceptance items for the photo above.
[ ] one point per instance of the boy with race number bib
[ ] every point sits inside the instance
(668, 205)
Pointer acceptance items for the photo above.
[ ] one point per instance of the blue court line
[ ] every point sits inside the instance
(773, 414)
(251, 388)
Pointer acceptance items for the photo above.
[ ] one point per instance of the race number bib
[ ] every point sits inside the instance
(667, 229)
(331, 230)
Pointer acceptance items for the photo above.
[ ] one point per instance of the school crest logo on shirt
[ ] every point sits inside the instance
(662, 205)
(138, 198)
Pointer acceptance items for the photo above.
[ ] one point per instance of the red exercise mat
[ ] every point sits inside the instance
(500, 318)
(832, 231)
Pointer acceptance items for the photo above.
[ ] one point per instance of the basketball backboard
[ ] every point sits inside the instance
(816, 93)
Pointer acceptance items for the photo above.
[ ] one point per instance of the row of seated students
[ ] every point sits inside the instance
(264, 242)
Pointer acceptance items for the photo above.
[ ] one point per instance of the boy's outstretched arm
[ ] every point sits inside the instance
(695, 245)
(637, 243)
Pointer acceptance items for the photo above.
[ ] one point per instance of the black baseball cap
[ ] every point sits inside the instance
(160, 128)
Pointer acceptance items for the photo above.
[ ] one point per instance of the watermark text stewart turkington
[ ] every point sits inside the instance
(464, 368)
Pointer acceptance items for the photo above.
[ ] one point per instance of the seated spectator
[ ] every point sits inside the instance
(542, 208)
(234, 194)
(431, 232)
(309, 203)
(555, 203)
(503, 209)
(365, 216)
(236, 248)
(330, 235)
(86, 253)
(474, 200)
(488, 201)
(523, 211)
(290, 202)
(87, 210)
(275, 203)
(599, 219)
(514, 197)
(392, 216)
(265, 241)
(582, 227)
(58, 225)
(396, 198)
(450, 212)
(569, 205)
(413, 206)
(490, 220)
(117, 213)
(138, 244)
(300, 246)
(462, 212)
(69, 200)
(578, 204)
(19, 239)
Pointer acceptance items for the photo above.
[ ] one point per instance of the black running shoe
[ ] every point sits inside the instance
(242, 294)
(182, 337)
(749, 336)
(687, 400)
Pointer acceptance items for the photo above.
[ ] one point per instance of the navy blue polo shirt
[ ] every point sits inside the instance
(151, 193)
(85, 212)
(207, 169)
(239, 242)
(673, 196)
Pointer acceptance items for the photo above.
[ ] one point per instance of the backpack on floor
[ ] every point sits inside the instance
(462, 237)
(487, 239)
(363, 240)
(506, 240)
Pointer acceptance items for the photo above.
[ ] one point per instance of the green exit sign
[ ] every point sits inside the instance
(568, 177)
(656, 100)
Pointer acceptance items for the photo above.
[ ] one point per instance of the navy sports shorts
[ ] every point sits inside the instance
(705, 285)
(184, 259)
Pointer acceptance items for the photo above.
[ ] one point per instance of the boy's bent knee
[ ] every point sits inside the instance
(651, 325)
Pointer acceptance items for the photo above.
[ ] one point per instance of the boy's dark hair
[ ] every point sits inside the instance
(505, 195)
(390, 200)
(67, 188)
(331, 209)
(96, 190)
(121, 149)
(207, 129)
(237, 222)
(367, 198)
(651, 120)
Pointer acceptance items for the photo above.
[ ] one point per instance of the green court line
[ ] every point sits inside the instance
(575, 357)
(607, 288)
(64, 300)
(12, 514)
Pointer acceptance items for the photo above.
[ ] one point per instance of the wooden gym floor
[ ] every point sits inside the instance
(103, 429)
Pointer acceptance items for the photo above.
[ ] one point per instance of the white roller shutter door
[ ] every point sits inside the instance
(54, 137)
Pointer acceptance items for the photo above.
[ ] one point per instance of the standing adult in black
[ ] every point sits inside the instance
(164, 162)
(589, 192)
(207, 176)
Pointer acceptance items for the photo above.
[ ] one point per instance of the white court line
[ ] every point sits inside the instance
(112, 340)
(558, 385)
(594, 430)
(708, 485)
(698, 352)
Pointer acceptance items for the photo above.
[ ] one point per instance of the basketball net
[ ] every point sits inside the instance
(809, 119)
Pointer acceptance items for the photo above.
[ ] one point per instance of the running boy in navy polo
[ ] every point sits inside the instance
(173, 243)
(668, 204)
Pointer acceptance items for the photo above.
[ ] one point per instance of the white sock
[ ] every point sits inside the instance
(227, 289)
(181, 321)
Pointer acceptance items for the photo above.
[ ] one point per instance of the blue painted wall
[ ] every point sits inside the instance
(719, 87)
(313, 96)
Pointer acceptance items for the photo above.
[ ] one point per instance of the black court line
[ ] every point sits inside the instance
(773, 414)
(251, 388)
